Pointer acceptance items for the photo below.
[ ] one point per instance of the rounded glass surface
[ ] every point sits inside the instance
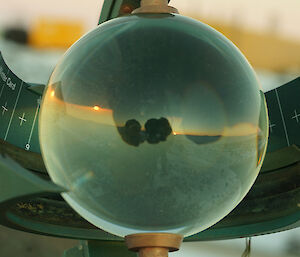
(153, 123)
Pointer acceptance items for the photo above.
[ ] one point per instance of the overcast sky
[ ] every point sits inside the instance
(280, 15)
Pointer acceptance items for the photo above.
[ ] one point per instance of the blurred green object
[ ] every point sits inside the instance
(272, 205)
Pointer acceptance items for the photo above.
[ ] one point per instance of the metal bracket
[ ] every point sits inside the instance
(115, 8)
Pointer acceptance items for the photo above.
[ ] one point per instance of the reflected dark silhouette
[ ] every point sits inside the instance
(199, 140)
(156, 130)
(131, 132)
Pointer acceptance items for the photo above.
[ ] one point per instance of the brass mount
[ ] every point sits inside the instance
(153, 244)
(155, 6)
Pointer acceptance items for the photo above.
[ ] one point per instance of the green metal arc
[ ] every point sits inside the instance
(269, 207)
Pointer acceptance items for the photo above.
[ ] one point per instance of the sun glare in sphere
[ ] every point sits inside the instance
(96, 108)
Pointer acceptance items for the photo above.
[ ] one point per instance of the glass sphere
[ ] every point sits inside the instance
(153, 123)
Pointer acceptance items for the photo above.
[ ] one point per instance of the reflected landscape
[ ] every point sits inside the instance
(135, 144)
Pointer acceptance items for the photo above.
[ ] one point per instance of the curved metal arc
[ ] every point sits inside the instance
(263, 211)
(15, 181)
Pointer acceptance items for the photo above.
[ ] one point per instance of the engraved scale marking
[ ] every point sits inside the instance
(22, 119)
(4, 107)
(13, 112)
(3, 85)
(282, 117)
(296, 116)
(271, 126)
(34, 120)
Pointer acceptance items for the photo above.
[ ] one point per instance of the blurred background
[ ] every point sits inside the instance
(34, 35)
